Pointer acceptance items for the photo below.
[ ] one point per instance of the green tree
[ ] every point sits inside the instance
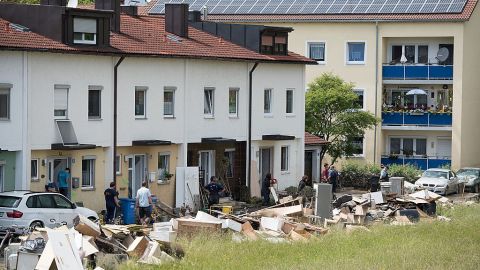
(332, 112)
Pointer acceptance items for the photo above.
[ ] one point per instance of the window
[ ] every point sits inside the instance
(84, 30)
(229, 155)
(94, 102)
(88, 173)
(4, 103)
(34, 169)
(267, 101)
(233, 102)
(289, 103)
(118, 165)
(44, 201)
(316, 51)
(360, 102)
(61, 202)
(408, 146)
(163, 165)
(413, 53)
(140, 100)
(169, 102)
(356, 52)
(357, 143)
(284, 159)
(208, 105)
(61, 102)
(398, 98)
(274, 43)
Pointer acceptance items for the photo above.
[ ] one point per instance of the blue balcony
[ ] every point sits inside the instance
(417, 72)
(422, 163)
(427, 119)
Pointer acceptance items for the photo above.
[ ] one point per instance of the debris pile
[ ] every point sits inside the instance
(88, 245)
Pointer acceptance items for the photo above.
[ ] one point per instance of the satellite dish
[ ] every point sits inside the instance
(442, 54)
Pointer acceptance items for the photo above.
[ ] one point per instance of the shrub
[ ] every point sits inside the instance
(409, 172)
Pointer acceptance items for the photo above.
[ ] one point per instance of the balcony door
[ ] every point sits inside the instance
(444, 148)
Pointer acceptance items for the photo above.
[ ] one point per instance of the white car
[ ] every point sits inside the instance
(26, 209)
(440, 181)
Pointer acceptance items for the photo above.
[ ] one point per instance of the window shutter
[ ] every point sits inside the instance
(61, 99)
(84, 25)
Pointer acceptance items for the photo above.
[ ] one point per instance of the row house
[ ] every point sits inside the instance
(413, 64)
(114, 95)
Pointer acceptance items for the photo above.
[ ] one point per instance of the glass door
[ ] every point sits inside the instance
(136, 173)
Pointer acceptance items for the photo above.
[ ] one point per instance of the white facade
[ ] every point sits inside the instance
(39, 73)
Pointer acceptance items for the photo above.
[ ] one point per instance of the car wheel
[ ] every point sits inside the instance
(476, 188)
(36, 224)
(457, 189)
(446, 191)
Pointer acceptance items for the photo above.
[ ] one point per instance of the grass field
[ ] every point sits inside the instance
(435, 245)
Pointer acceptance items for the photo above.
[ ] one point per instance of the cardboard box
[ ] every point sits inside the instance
(137, 248)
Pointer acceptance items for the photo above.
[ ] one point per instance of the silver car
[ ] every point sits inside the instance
(440, 181)
(471, 177)
(39, 209)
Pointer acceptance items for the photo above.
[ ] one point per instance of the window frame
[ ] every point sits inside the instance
(362, 90)
(91, 172)
(163, 155)
(285, 164)
(211, 113)
(61, 87)
(84, 41)
(37, 171)
(363, 147)
(169, 89)
(317, 42)
(414, 147)
(237, 95)
(347, 52)
(99, 89)
(119, 171)
(403, 49)
(144, 90)
(270, 105)
(7, 89)
(293, 101)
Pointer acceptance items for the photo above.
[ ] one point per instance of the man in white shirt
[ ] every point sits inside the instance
(144, 201)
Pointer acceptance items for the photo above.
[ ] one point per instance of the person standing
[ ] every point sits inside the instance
(303, 183)
(62, 178)
(332, 178)
(214, 190)
(143, 203)
(267, 181)
(384, 173)
(325, 173)
(111, 202)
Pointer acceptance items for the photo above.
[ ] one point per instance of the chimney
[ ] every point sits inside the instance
(176, 19)
(62, 3)
(111, 5)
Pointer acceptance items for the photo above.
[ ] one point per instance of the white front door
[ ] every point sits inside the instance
(206, 165)
(444, 148)
(137, 168)
(55, 165)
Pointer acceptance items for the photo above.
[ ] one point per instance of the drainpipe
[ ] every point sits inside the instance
(376, 93)
(115, 85)
(249, 143)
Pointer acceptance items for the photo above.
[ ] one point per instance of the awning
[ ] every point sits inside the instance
(278, 137)
(311, 139)
(69, 139)
(150, 142)
(218, 140)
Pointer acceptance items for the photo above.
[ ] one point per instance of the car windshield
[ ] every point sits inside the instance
(468, 172)
(9, 201)
(435, 174)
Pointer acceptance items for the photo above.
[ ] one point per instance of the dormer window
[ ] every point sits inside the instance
(274, 43)
(84, 30)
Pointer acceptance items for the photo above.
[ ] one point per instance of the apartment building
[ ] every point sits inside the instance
(413, 64)
(112, 94)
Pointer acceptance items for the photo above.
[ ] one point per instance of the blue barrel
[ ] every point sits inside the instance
(128, 210)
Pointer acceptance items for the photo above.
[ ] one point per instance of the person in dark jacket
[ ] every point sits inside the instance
(267, 181)
(111, 202)
(214, 190)
(333, 178)
(303, 183)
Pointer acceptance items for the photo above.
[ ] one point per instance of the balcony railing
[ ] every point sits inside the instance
(427, 119)
(422, 163)
(417, 72)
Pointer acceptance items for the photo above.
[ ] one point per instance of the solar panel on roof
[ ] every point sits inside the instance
(318, 6)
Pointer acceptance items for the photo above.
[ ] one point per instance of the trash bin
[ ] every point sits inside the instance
(385, 187)
(128, 210)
